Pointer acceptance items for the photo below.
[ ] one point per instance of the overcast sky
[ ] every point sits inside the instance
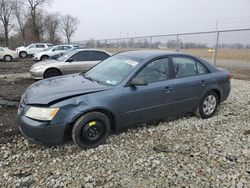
(121, 18)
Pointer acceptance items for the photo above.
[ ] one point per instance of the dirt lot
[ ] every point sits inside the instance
(199, 153)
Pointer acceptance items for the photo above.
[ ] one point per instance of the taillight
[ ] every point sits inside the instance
(230, 76)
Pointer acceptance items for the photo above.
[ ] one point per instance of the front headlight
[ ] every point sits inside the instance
(40, 113)
(37, 67)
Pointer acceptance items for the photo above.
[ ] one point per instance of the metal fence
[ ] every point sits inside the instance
(210, 41)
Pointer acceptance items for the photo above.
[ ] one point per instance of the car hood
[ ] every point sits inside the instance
(21, 48)
(46, 62)
(53, 89)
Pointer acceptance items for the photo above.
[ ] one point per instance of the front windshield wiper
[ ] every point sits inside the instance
(95, 80)
(91, 79)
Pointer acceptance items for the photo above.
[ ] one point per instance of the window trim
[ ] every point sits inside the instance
(192, 58)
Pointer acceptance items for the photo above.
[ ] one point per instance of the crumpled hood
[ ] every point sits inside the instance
(48, 90)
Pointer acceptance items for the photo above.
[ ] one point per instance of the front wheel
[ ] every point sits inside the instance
(23, 54)
(208, 105)
(91, 130)
(51, 73)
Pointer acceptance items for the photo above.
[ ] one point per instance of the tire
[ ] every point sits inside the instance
(91, 130)
(44, 57)
(23, 54)
(51, 73)
(208, 105)
(7, 58)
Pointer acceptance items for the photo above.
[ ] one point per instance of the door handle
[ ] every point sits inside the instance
(203, 82)
(167, 89)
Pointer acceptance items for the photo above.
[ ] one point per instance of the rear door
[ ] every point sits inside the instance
(191, 78)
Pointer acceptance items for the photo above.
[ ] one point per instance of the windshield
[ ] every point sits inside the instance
(65, 55)
(46, 49)
(112, 71)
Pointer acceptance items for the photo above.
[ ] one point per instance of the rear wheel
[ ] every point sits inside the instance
(51, 73)
(91, 130)
(7, 58)
(23, 54)
(208, 105)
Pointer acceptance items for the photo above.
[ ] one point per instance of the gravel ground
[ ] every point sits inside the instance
(186, 151)
(19, 66)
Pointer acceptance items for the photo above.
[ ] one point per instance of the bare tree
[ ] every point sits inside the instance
(5, 16)
(21, 16)
(35, 17)
(69, 25)
(51, 24)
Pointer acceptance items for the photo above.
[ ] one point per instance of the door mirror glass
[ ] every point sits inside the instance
(138, 82)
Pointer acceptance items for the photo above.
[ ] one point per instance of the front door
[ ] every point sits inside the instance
(151, 101)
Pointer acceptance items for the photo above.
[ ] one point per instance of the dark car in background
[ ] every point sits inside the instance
(125, 89)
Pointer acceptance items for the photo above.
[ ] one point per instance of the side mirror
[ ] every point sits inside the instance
(70, 60)
(138, 82)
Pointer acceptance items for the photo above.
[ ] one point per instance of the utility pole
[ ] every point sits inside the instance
(177, 43)
(216, 47)
(217, 41)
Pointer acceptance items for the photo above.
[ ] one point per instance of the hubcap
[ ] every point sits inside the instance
(23, 54)
(8, 58)
(209, 105)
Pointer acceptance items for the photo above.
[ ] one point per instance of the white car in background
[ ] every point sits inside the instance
(32, 49)
(52, 51)
(7, 55)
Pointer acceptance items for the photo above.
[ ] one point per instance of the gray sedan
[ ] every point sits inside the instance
(123, 90)
(73, 61)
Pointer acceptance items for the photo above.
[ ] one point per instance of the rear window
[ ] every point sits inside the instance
(40, 46)
(186, 66)
(99, 56)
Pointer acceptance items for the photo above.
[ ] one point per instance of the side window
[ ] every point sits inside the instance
(32, 46)
(82, 56)
(155, 71)
(1, 49)
(66, 47)
(185, 67)
(40, 46)
(99, 56)
(58, 48)
(201, 68)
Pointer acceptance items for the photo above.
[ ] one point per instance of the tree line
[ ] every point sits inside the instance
(145, 43)
(26, 21)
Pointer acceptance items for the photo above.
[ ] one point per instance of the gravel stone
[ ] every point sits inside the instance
(179, 152)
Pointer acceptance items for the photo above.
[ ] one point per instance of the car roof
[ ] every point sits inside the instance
(91, 49)
(148, 54)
